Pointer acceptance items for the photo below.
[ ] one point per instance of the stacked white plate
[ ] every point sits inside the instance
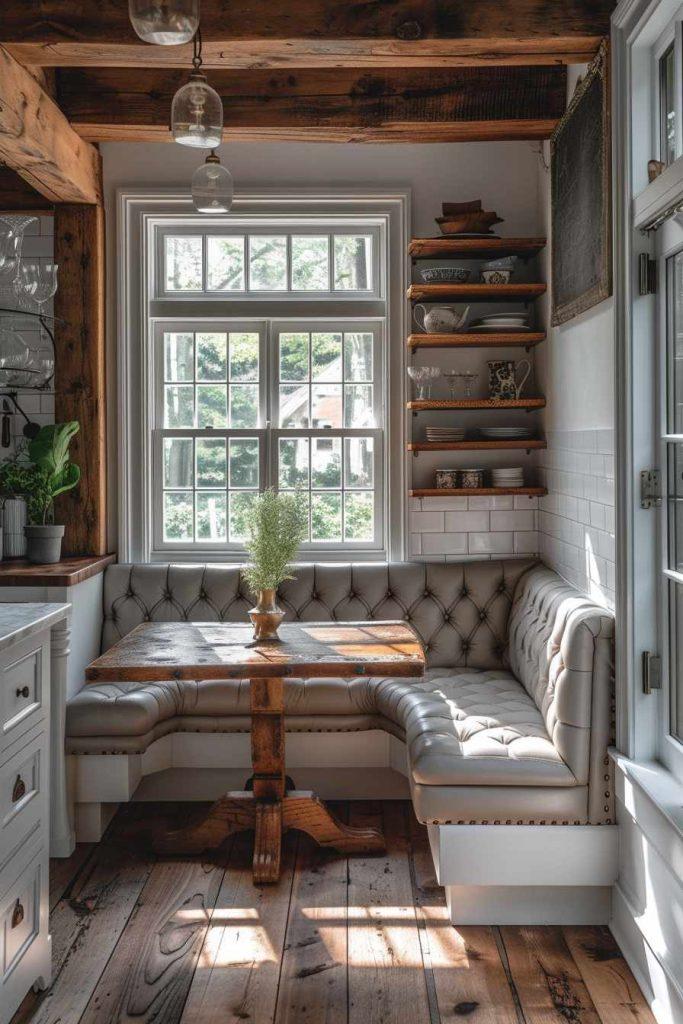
(506, 433)
(511, 322)
(443, 434)
(511, 477)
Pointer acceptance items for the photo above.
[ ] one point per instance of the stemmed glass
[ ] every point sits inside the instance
(422, 377)
(36, 281)
(14, 357)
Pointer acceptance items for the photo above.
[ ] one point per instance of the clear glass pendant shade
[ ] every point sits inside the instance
(212, 187)
(164, 22)
(197, 114)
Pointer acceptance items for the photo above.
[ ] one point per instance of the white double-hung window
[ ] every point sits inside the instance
(264, 360)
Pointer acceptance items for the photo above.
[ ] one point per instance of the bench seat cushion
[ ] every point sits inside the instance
(474, 727)
(461, 726)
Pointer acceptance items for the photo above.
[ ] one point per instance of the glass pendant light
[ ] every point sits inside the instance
(212, 186)
(164, 22)
(197, 109)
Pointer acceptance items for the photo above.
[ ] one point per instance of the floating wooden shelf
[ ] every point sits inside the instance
(521, 339)
(459, 492)
(423, 405)
(474, 248)
(474, 446)
(475, 292)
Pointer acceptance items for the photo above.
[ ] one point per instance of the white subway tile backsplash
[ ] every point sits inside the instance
(597, 515)
(467, 522)
(444, 504)
(426, 522)
(523, 502)
(444, 543)
(576, 518)
(416, 543)
(526, 543)
(500, 502)
(513, 521)
(491, 543)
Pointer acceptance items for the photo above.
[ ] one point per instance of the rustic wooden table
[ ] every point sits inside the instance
(167, 651)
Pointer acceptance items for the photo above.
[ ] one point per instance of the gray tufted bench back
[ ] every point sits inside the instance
(460, 611)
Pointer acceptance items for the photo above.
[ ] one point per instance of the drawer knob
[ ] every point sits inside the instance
(23, 691)
(19, 789)
(17, 914)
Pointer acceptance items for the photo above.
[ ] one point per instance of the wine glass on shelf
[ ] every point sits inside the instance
(423, 377)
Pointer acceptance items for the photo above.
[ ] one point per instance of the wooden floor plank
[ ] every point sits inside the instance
(238, 969)
(386, 973)
(85, 928)
(149, 974)
(608, 977)
(468, 977)
(63, 871)
(548, 981)
(357, 940)
(313, 982)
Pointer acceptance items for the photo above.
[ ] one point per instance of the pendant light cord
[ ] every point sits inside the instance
(197, 49)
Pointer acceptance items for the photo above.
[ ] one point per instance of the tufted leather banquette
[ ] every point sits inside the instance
(510, 725)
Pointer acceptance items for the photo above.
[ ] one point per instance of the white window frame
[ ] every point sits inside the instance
(642, 30)
(281, 226)
(142, 215)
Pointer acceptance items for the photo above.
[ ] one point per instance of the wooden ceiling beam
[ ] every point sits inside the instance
(37, 141)
(317, 33)
(344, 105)
(17, 196)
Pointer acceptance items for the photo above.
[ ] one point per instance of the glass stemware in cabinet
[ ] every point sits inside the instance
(423, 377)
(14, 358)
(36, 282)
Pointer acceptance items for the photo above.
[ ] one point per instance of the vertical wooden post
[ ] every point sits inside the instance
(80, 371)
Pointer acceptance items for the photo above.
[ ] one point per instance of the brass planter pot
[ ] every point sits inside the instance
(266, 616)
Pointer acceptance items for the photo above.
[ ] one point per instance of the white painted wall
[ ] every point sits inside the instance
(575, 369)
(503, 175)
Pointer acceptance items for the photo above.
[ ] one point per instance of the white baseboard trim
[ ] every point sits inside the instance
(91, 821)
(509, 874)
(115, 777)
(528, 904)
(660, 990)
(524, 855)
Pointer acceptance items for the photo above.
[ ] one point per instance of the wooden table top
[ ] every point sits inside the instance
(159, 651)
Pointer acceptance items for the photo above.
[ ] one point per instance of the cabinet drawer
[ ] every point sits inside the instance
(23, 793)
(24, 691)
(23, 916)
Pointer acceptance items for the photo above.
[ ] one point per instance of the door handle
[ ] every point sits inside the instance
(18, 790)
(17, 915)
(23, 691)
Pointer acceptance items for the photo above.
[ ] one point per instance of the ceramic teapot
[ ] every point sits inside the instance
(440, 319)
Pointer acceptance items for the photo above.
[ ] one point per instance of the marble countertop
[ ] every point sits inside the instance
(21, 619)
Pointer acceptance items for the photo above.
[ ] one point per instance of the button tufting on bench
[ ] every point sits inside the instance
(495, 718)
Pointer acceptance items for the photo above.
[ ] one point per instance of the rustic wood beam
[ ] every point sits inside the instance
(80, 371)
(317, 33)
(17, 196)
(37, 141)
(341, 105)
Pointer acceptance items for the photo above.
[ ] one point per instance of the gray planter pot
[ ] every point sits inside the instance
(44, 544)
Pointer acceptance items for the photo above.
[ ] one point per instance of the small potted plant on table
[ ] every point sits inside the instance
(39, 475)
(277, 525)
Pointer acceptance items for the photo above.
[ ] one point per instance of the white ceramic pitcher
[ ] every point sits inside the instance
(440, 319)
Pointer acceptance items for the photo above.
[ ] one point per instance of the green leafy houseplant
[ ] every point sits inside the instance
(39, 474)
(277, 525)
